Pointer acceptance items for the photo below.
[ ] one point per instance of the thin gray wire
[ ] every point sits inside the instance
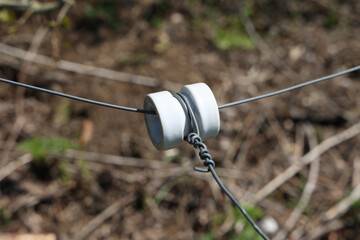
(77, 98)
(290, 88)
(152, 112)
(243, 211)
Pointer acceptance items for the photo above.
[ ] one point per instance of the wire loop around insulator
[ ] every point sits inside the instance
(187, 107)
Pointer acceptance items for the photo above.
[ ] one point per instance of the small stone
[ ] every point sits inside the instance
(176, 18)
(269, 225)
(296, 53)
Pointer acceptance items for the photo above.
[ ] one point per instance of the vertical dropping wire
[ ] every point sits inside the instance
(194, 139)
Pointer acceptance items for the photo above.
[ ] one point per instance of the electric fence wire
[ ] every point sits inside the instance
(194, 139)
(77, 98)
(152, 112)
(290, 88)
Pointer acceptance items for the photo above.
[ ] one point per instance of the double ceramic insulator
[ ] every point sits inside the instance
(171, 123)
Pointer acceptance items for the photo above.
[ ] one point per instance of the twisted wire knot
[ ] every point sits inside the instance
(195, 140)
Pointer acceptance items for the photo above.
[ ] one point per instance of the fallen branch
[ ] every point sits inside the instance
(343, 206)
(13, 165)
(103, 216)
(164, 168)
(28, 58)
(27, 236)
(89, 70)
(10, 142)
(325, 228)
(308, 158)
(118, 160)
(38, 71)
(30, 54)
(329, 221)
(356, 171)
(306, 195)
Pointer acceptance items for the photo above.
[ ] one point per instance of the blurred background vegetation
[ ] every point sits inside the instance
(79, 171)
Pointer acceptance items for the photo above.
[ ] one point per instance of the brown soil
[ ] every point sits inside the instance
(296, 42)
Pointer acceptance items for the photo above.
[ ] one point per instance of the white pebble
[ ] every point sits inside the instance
(269, 225)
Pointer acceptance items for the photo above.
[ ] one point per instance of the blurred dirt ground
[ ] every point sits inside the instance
(86, 172)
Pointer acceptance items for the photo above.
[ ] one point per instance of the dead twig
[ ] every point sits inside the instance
(34, 47)
(25, 200)
(323, 229)
(19, 102)
(36, 42)
(28, 58)
(356, 172)
(118, 160)
(163, 169)
(38, 71)
(252, 131)
(27, 236)
(103, 216)
(284, 142)
(13, 165)
(266, 50)
(11, 140)
(36, 192)
(141, 176)
(242, 138)
(306, 195)
(306, 159)
(90, 70)
(343, 206)
(63, 11)
(278, 63)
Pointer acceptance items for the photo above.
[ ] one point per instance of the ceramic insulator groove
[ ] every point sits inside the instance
(171, 123)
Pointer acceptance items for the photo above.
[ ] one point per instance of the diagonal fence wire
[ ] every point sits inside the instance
(103, 104)
(290, 88)
(151, 112)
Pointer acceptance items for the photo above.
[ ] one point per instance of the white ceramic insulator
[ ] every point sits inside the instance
(171, 124)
